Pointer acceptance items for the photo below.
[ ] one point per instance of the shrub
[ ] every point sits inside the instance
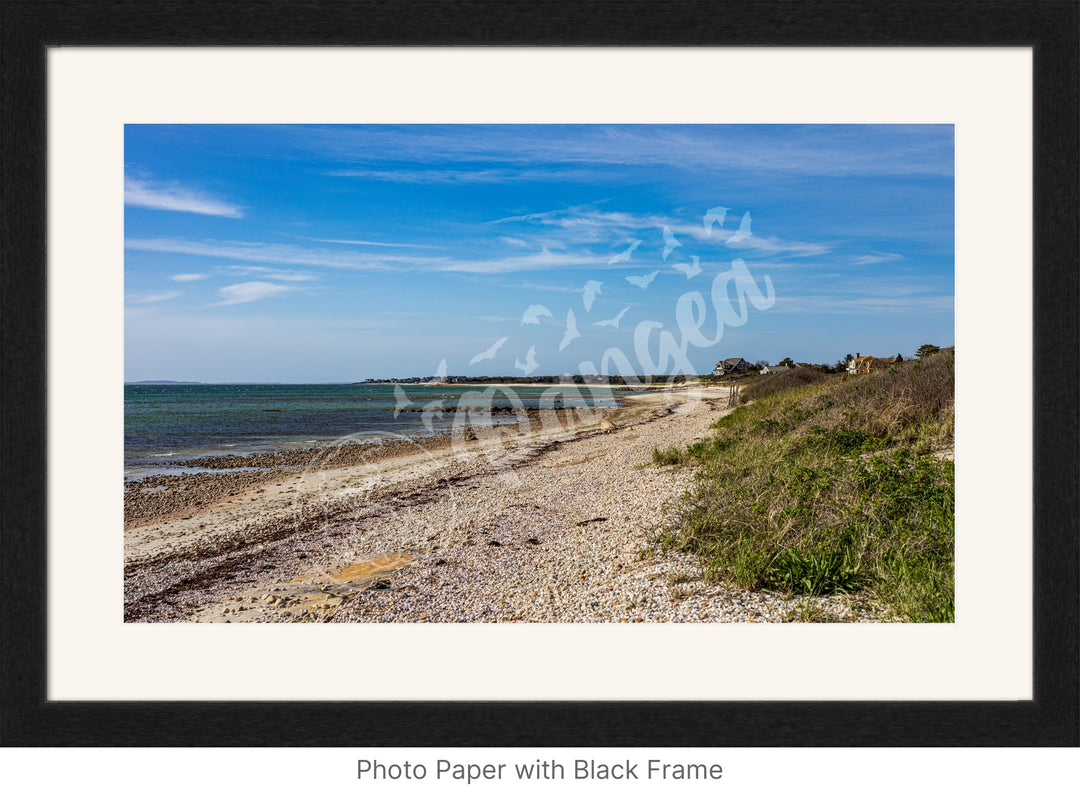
(778, 382)
(668, 456)
(829, 487)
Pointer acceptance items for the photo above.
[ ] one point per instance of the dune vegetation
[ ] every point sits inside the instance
(821, 484)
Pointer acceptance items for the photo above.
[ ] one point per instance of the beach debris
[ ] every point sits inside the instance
(606, 425)
(590, 521)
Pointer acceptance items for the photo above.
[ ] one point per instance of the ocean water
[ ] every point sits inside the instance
(164, 423)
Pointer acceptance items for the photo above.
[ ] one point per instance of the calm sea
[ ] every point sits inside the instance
(164, 423)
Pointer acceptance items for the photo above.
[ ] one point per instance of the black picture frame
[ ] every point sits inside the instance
(1051, 28)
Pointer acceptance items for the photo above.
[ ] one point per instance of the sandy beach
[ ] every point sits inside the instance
(548, 519)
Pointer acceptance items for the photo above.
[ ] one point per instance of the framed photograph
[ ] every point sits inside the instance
(375, 373)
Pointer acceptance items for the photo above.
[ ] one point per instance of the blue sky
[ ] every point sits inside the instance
(337, 253)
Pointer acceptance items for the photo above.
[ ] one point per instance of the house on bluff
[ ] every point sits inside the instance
(731, 365)
(865, 363)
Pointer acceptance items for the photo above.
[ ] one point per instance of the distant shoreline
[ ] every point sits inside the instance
(161, 381)
(641, 386)
(483, 382)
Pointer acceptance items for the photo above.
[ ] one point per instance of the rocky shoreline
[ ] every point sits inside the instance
(159, 498)
(548, 520)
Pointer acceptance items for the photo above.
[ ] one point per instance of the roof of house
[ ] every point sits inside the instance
(865, 359)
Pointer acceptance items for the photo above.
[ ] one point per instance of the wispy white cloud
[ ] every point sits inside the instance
(152, 298)
(188, 276)
(274, 274)
(424, 176)
(249, 291)
(543, 259)
(366, 242)
(540, 215)
(762, 149)
(273, 253)
(586, 225)
(583, 217)
(174, 197)
(488, 176)
(582, 236)
(875, 258)
(590, 226)
(775, 245)
(528, 285)
(927, 304)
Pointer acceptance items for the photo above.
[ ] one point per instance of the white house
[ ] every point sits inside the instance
(864, 363)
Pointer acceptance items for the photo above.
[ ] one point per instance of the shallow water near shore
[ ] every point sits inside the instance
(166, 424)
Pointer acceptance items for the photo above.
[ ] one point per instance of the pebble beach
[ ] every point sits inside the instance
(550, 519)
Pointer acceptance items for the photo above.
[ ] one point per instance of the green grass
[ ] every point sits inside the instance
(831, 487)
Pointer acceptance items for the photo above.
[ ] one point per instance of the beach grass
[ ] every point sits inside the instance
(835, 485)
